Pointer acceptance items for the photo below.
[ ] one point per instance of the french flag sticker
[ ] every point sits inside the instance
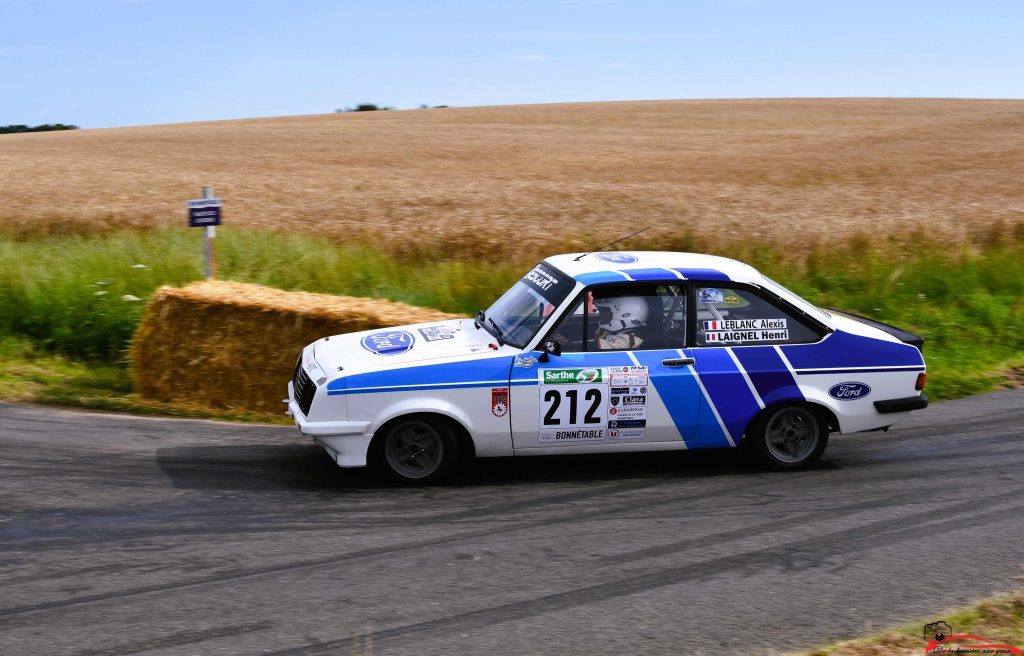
(711, 325)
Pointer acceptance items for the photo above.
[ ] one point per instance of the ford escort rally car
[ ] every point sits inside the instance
(711, 354)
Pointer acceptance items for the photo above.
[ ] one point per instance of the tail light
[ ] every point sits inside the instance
(921, 378)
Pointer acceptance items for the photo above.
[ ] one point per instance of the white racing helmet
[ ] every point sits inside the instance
(620, 313)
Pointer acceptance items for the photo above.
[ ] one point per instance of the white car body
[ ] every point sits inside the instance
(695, 395)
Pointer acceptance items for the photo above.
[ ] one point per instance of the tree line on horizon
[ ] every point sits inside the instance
(45, 127)
(374, 107)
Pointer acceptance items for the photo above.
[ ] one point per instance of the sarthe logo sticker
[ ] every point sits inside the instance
(942, 640)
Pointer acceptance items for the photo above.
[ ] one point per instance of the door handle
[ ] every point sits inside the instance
(678, 362)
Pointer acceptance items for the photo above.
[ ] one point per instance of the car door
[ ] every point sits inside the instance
(595, 396)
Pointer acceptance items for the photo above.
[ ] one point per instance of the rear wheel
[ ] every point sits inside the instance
(418, 450)
(788, 437)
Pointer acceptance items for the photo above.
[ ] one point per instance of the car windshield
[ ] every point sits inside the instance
(516, 317)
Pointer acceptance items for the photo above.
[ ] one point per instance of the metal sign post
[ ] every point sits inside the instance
(205, 213)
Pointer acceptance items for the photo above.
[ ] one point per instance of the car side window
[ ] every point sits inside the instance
(625, 317)
(569, 331)
(734, 316)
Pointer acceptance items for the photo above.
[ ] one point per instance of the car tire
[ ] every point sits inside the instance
(788, 437)
(417, 449)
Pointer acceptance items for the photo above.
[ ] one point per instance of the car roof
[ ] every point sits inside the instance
(651, 265)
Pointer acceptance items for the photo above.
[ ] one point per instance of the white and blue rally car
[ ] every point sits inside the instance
(609, 352)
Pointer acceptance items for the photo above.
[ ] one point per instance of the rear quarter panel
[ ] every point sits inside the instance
(886, 365)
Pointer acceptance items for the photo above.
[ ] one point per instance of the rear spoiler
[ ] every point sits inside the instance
(902, 335)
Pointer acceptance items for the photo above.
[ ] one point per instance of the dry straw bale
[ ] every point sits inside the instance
(234, 345)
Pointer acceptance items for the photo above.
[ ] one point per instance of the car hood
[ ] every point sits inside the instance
(369, 350)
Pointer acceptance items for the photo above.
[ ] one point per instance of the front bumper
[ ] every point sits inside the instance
(902, 405)
(317, 428)
(347, 442)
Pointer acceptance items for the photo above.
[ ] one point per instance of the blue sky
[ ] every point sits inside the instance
(100, 63)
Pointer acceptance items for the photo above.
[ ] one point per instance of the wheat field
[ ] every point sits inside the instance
(491, 179)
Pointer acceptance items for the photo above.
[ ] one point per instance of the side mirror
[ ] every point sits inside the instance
(550, 346)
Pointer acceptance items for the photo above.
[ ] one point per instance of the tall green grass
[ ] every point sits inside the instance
(76, 296)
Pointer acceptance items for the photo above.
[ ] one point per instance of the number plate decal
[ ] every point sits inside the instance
(585, 404)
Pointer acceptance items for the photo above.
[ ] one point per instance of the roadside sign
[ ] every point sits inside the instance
(204, 212)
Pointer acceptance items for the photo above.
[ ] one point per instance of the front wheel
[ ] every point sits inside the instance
(417, 450)
(788, 437)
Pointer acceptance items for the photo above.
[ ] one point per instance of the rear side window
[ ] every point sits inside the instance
(734, 316)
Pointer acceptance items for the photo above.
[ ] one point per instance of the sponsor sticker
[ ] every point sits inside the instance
(572, 435)
(388, 342)
(634, 376)
(435, 333)
(628, 412)
(850, 391)
(711, 295)
(499, 401)
(746, 330)
(621, 424)
(617, 258)
(571, 376)
(309, 363)
(746, 324)
(541, 279)
(525, 361)
(732, 299)
(746, 336)
(593, 404)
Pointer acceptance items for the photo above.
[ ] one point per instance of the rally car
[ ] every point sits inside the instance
(609, 352)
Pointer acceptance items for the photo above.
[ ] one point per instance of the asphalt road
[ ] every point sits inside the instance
(127, 535)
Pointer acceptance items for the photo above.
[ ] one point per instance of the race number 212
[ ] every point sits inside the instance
(563, 408)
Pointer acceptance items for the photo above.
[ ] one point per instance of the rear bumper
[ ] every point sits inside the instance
(902, 405)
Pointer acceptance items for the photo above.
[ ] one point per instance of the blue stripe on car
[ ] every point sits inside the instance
(650, 274)
(860, 370)
(842, 350)
(703, 274)
(416, 388)
(679, 390)
(769, 374)
(485, 372)
(727, 389)
(709, 431)
(597, 277)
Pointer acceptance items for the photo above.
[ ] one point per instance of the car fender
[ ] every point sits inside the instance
(819, 397)
(491, 437)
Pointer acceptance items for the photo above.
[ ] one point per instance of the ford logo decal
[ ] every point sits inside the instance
(849, 391)
(617, 258)
(388, 342)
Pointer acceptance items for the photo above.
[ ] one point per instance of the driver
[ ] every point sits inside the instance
(618, 319)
